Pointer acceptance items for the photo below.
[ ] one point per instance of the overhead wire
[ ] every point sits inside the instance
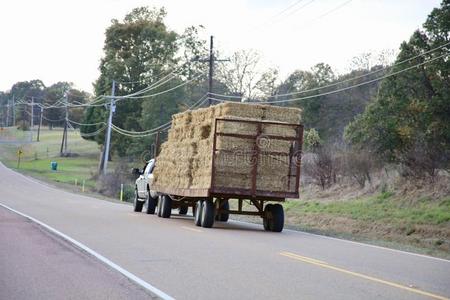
(85, 124)
(155, 130)
(159, 93)
(346, 80)
(345, 88)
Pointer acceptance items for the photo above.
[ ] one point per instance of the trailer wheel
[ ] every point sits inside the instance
(223, 217)
(150, 204)
(166, 206)
(266, 221)
(198, 213)
(159, 206)
(183, 209)
(137, 205)
(208, 214)
(277, 222)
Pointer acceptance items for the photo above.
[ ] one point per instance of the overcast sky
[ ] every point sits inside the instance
(62, 40)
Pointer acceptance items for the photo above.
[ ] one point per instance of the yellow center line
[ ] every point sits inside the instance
(328, 266)
(191, 229)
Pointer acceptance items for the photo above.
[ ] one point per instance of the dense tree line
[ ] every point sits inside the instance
(409, 120)
(25, 91)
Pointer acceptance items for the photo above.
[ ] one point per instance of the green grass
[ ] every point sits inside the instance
(381, 208)
(37, 156)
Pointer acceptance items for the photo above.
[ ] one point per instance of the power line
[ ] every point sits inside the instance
(50, 120)
(159, 93)
(346, 80)
(346, 88)
(332, 10)
(85, 124)
(155, 130)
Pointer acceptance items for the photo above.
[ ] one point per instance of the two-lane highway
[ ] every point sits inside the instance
(233, 260)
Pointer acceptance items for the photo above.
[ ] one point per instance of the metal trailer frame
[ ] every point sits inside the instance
(188, 197)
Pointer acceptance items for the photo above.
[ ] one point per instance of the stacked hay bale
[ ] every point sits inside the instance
(185, 160)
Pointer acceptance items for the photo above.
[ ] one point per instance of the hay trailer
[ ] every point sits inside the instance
(262, 169)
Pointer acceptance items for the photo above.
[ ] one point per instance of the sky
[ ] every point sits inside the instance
(62, 40)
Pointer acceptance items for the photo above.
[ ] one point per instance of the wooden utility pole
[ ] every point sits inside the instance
(64, 137)
(211, 70)
(13, 113)
(211, 59)
(112, 108)
(32, 113)
(7, 114)
(40, 123)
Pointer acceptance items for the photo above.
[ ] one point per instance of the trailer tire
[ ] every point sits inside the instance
(166, 206)
(266, 221)
(277, 222)
(183, 209)
(137, 205)
(223, 217)
(150, 204)
(198, 213)
(208, 214)
(159, 206)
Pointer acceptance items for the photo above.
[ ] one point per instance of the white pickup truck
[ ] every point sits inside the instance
(144, 197)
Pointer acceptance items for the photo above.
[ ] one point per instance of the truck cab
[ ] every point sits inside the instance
(143, 195)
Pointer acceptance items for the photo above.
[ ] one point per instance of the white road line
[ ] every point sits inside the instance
(116, 267)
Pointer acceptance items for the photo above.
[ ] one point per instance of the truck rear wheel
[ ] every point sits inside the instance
(137, 204)
(150, 204)
(208, 214)
(198, 213)
(166, 206)
(223, 217)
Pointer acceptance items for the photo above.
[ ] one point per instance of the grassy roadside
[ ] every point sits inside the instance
(385, 219)
(37, 156)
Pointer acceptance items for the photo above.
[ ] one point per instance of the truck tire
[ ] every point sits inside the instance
(277, 222)
(208, 214)
(223, 217)
(159, 206)
(266, 221)
(150, 204)
(137, 204)
(198, 213)
(166, 206)
(183, 209)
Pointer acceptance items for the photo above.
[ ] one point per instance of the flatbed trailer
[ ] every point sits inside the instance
(212, 204)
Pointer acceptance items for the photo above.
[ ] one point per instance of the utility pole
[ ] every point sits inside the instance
(13, 112)
(64, 137)
(40, 123)
(112, 108)
(32, 112)
(7, 114)
(211, 71)
(211, 59)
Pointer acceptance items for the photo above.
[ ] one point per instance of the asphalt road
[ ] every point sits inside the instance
(231, 261)
(35, 264)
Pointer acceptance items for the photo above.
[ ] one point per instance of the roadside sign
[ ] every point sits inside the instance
(19, 155)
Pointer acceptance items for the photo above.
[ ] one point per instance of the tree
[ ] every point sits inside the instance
(409, 123)
(138, 51)
(25, 91)
(242, 74)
